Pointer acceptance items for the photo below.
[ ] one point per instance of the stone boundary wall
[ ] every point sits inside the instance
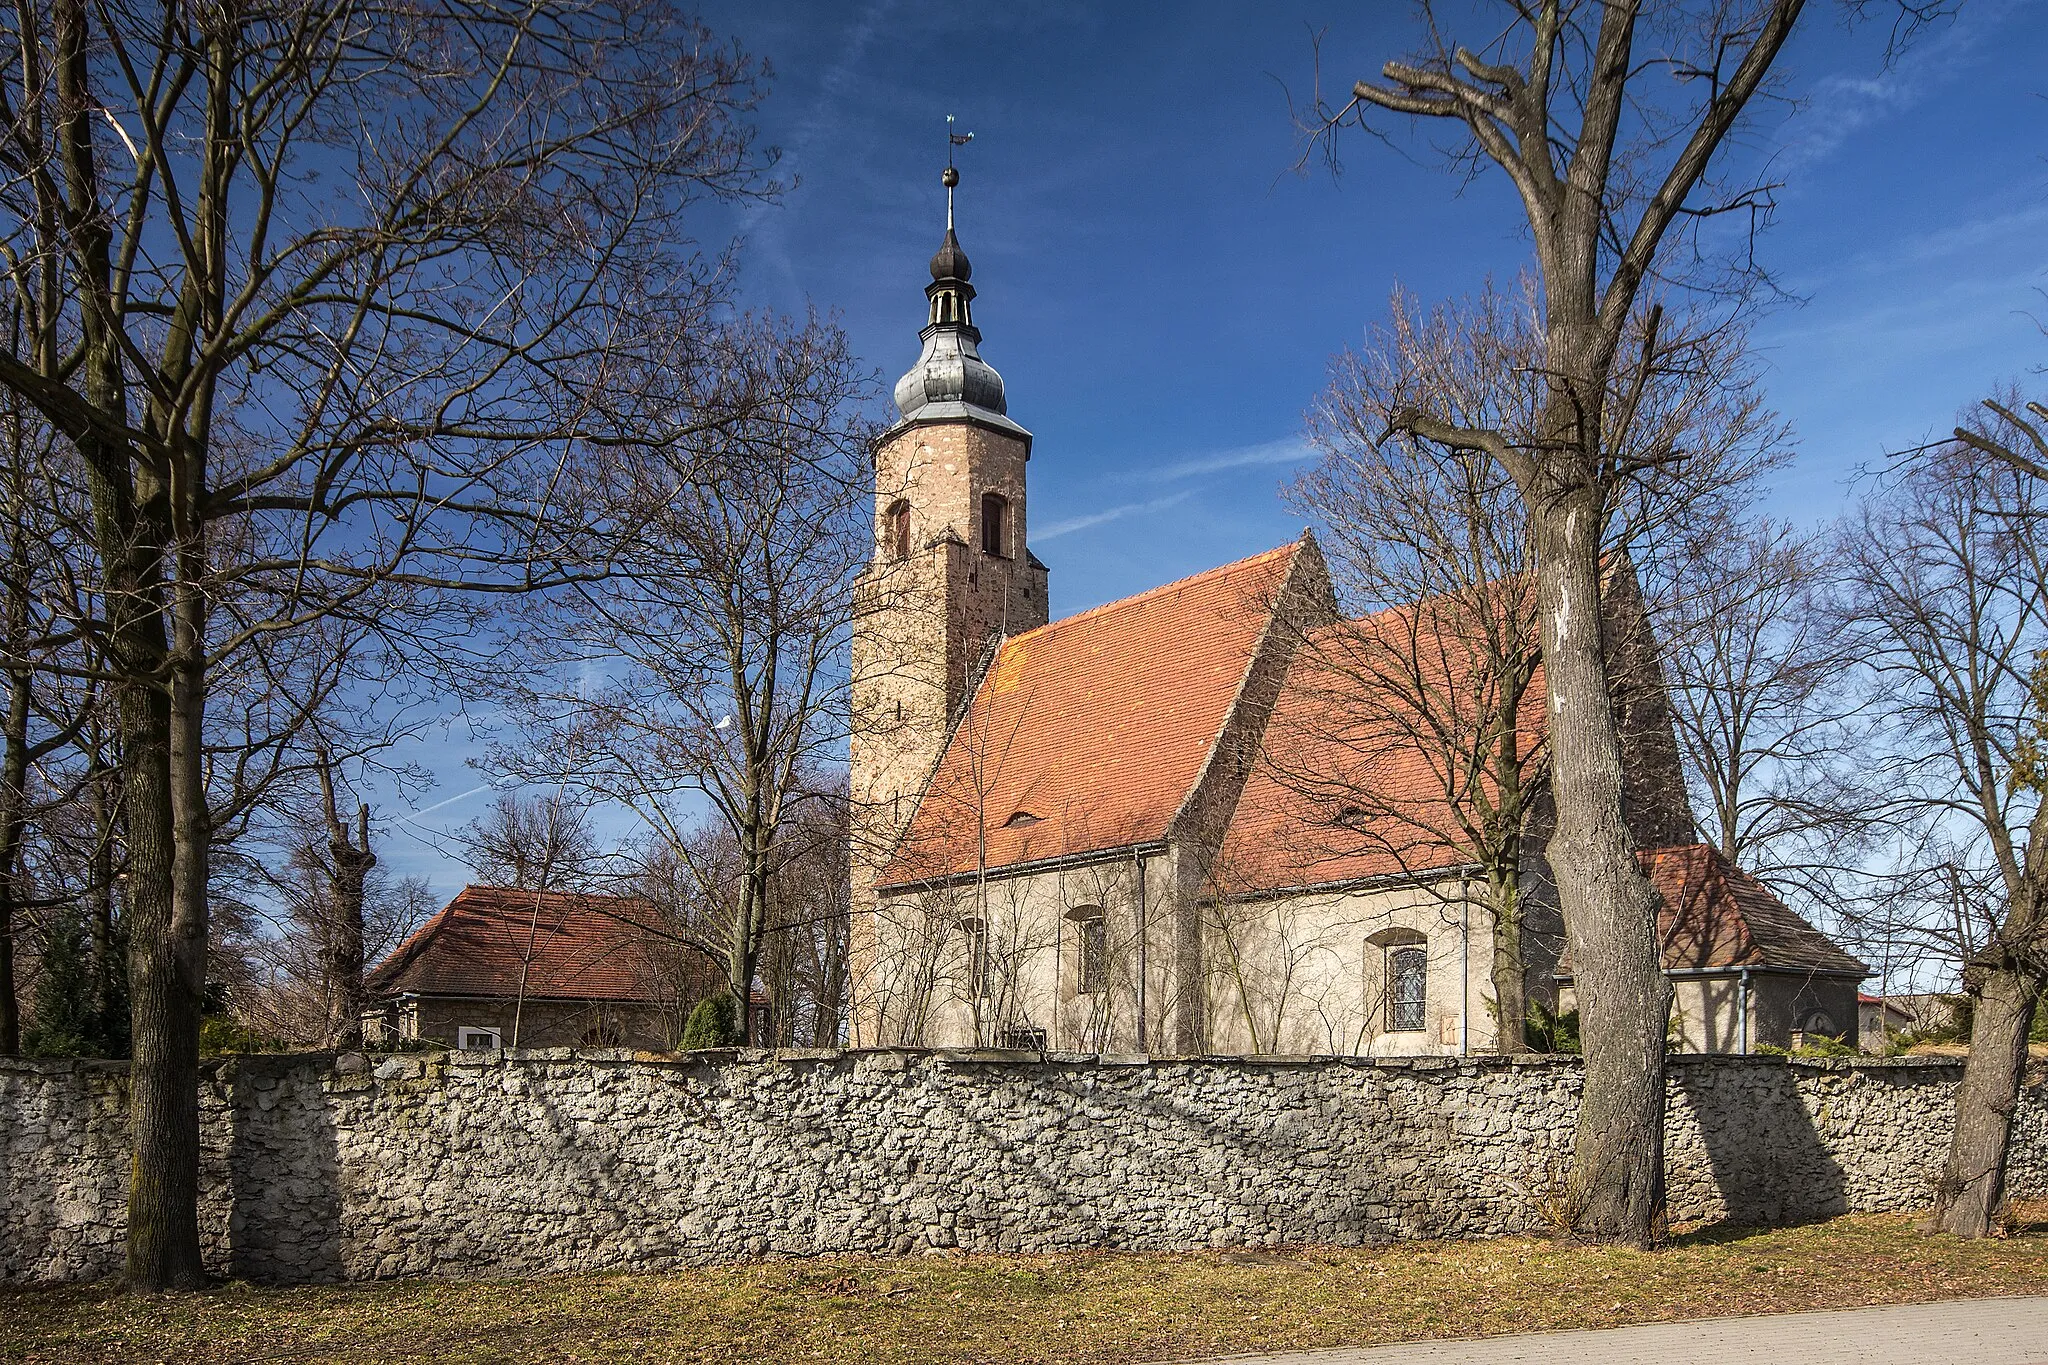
(323, 1168)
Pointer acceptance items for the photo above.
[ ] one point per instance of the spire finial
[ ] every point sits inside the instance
(952, 175)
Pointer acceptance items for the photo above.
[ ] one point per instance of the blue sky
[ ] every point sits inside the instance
(1162, 292)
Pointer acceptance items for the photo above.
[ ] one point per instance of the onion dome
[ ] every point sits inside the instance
(950, 379)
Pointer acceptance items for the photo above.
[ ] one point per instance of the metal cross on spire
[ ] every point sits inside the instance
(952, 176)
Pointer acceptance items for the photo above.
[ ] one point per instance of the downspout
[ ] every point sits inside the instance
(1464, 967)
(1742, 992)
(1059, 949)
(1144, 933)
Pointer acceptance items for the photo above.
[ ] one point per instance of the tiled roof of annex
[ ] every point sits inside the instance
(572, 947)
(1091, 732)
(1716, 915)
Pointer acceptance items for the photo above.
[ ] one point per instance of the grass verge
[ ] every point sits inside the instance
(1093, 1307)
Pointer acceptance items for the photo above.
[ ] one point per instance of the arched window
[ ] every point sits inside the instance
(995, 512)
(896, 529)
(1818, 1021)
(1091, 950)
(1407, 990)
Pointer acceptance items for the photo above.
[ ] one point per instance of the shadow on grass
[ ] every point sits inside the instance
(2027, 1219)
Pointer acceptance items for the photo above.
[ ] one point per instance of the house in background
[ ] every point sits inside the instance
(1922, 1013)
(499, 967)
(1880, 1018)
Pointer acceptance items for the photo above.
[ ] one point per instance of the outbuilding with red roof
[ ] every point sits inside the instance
(506, 966)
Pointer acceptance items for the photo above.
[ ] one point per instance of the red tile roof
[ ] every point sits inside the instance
(1090, 733)
(1357, 777)
(569, 947)
(1713, 914)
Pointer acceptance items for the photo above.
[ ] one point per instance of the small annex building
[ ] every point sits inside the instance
(1126, 830)
(1746, 970)
(501, 966)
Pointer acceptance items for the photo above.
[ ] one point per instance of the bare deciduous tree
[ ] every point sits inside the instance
(327, 911)
(1428, 558)
(721, 629)
(692, 899)
(533, 843)
(1610, 172)
(804, 956)
(324, 294)
(1761, 695)
(1429, 555)
(1946, 594)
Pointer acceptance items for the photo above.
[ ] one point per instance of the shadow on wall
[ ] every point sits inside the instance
(284, 1218)
(1744, 1148)
(321, 1169)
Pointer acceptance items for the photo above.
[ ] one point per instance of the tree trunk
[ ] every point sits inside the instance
(1510, 1002)
(13, 801)
(832, 979)
(10, 1008)
(14, 768)
(163, 1179)
(167, 955)
(1616, 1191)
(2006, 981)
(745, 953)
(1969, 1200)
(344, 949)
(109, 950)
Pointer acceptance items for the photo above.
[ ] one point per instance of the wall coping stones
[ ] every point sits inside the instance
(417, 1064)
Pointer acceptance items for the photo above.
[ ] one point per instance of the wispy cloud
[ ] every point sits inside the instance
(760, 224)
(2019, 226)
(1288, 450)
(1082, 523)
(1842, 106)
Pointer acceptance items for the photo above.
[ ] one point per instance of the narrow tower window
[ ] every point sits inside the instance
(995, 511)
(896, 529)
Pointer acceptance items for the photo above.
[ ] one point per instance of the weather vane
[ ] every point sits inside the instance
(952, 176)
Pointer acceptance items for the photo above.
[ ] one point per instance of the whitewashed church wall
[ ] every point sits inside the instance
(1304, 974)
(1308, 974)
(319, 1168)
(1027, 980)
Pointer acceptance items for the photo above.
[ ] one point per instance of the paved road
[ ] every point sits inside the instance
(1967, 1332)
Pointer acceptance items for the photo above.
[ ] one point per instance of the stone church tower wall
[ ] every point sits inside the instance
(952, 574)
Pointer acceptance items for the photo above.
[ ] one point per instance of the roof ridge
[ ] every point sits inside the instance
(1237, 703)
(1177, 584)
(563, 893)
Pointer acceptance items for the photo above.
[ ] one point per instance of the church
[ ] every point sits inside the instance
(1086, 835)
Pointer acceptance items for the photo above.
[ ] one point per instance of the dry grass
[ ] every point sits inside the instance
(1081, 1308)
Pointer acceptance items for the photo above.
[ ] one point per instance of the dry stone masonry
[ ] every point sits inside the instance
(323, 1168)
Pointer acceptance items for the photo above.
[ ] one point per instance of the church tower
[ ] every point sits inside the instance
(952, 570)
